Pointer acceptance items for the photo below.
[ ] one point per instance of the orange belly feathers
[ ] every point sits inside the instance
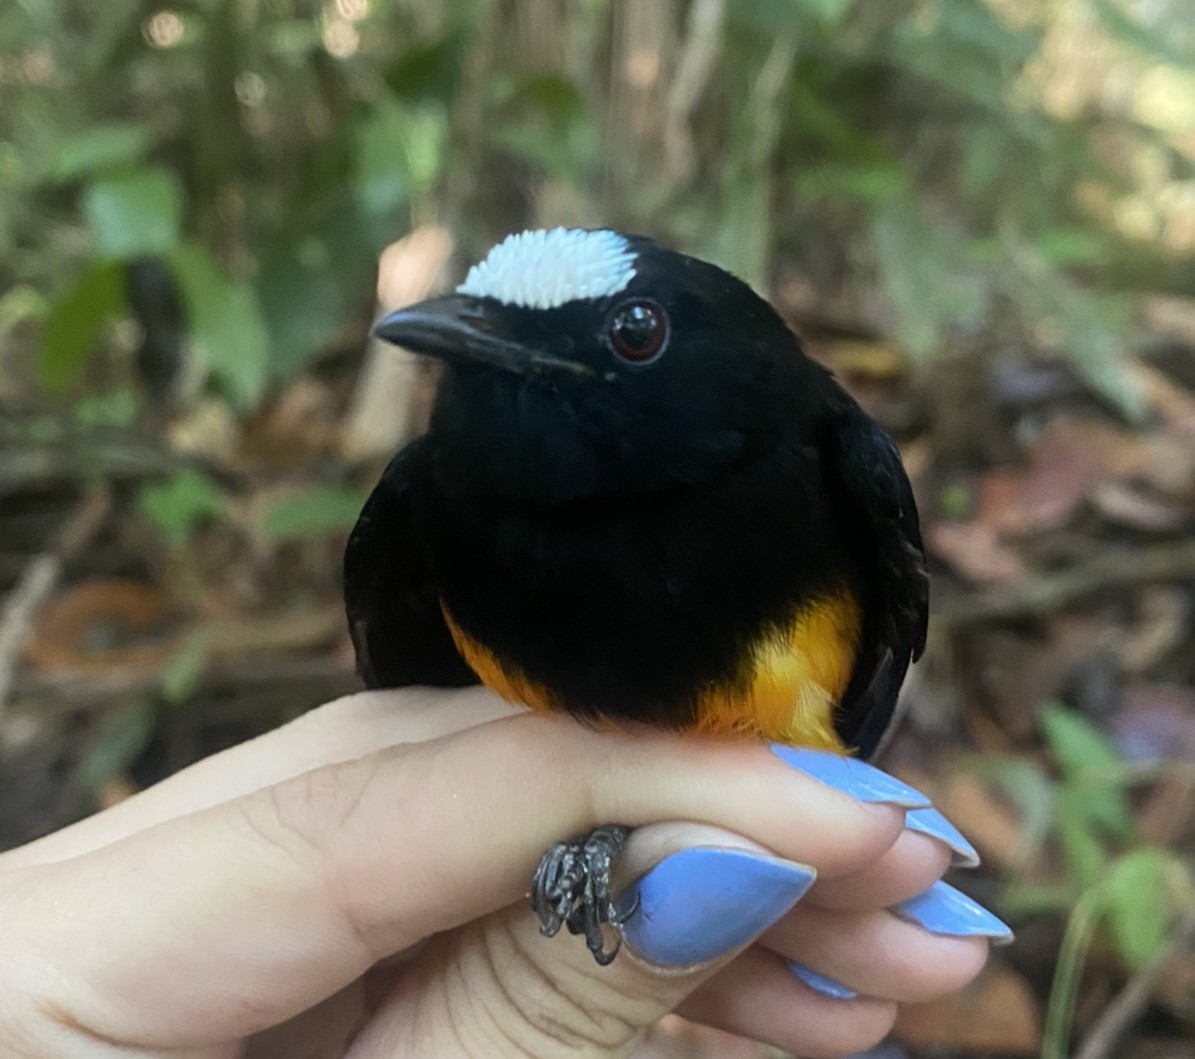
(790, 688)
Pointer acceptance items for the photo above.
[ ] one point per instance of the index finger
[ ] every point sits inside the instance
(264, 905)
(341, 730)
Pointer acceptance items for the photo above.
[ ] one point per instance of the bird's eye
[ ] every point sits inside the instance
(638, 330)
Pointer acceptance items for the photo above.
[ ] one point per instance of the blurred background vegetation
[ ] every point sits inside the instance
(980, 213)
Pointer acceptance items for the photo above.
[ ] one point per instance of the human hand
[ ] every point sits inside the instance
(353, 885)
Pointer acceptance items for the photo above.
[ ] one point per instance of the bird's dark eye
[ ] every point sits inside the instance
(638, 330)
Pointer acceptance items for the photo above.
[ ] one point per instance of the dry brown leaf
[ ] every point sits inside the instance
(1129, 506)
(115, 791)
(918, 457)
(1170, 463)
(995, 1014)
(1116, 451)
(1157, 723)
(1015, 672)
(870, 358)
(293, 429)
(974, 551)
(100, 624)
(1170, 315)
(1177, 988)
(1046, 494)
(988, 736)
(1166, 815)
(208, 429)
(1162, 613)
(993, 826)
(1172, 402)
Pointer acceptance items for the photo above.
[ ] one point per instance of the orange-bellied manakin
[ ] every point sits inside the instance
(637, 498)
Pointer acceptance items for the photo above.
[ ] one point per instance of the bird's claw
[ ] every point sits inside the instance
(571, 887)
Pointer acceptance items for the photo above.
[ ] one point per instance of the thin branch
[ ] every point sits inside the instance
(699, 51)
(40, 578)
(1049, 592)
(1104, 1038)
(254, 651)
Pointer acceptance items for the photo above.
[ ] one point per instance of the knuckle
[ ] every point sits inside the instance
(313, 822)
(305, 817)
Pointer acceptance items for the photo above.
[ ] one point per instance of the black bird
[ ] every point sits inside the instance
(637, 498)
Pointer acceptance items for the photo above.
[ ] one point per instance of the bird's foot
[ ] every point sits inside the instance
(571, 887)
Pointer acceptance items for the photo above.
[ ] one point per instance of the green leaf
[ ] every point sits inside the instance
(1082, 752)
(76, 321)
(966, 49)
(121, 740)
(1152, 43)
(224, 322)
(553, 95)
(20, 303)
(430, 71)
(767, 17)
(827, 12)
(1089, 327)
(100, 148)
(1077, 745)
(927, 275)
(180, 675)
(877, 183)
(543, 120)
(985, 158)
(116, 408)
(292, 40)
(303, 310)
(818, 115)
(1027, 785)
(177, 504)
(1069, 246)
(1085, 856)
(1139, 902)
(1091, 330)
(400, 151)
(312, 514)
(135, 215)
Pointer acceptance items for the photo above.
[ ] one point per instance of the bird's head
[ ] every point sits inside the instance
(585, 363)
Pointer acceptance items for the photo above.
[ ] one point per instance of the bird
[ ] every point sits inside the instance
(637, 499)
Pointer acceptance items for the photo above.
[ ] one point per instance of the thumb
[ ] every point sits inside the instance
(694, 896)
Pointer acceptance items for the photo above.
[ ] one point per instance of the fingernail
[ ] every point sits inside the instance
(700, 903)
(819, 983)
(944, 910)
(857, 778)
(932, 823)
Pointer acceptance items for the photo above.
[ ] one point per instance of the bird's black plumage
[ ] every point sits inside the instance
(623, 533)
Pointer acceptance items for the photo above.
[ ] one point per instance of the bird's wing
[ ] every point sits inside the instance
(393, 608)
(878, 504)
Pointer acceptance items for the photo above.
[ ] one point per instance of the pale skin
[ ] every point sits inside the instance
(352, 886)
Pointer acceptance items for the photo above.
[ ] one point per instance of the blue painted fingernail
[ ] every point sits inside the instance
(932, 823)
(700, 903)
(857, 778)
(944, 910)
(819, 983)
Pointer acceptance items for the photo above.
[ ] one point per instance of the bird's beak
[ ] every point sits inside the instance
(460, 330)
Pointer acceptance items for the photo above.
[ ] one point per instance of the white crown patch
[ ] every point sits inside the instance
(545, 269)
